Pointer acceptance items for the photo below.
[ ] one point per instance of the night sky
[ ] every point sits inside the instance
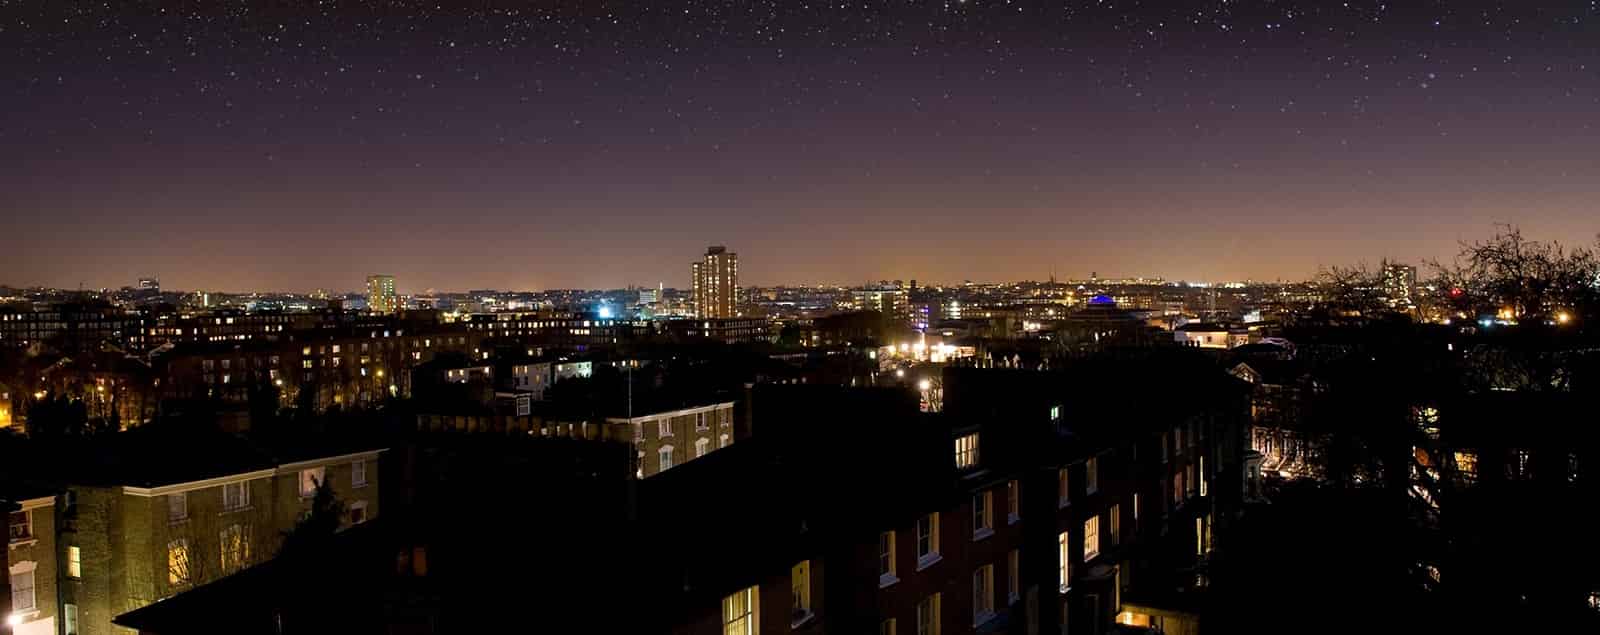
(307, 144)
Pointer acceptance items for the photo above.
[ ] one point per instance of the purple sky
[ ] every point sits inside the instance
(606, 144)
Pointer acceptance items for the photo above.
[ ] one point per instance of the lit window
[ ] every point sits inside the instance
(1013, 501)
(1467, 467)
(928, 615)
(1116, 524)
(1091, 538)
(235, 496)
(739, 614)
(178, 562)
(1062, 485)
(70, 618)
(665, 456)
(235, 547)
(967, 451)
(983, 594)
(982, 515)
(358, 474)
(1201, 478)
(310, 480)
(800, 590)
(1091, 475)
(1517, 465)
(927, 540)
(1055, 413)
(701, 446)
(723, 441)
(886, 559)
(74, 562)
(1063, 561)
(887, 627)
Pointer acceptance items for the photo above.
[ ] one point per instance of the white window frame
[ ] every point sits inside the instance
(724, 441)
(745, 619)
(983, 594)
(1064, 560)
(358, 473)
(1091, 538)
(702, 446)
(177, 506)
(74, 562)
(967, 451)
(24, 571)
(664, 460)
(928, 615)
(982, 515)
(175, 548)
(664, 428)
(928, 541)
(700, 421)
(361, 505)
(241, 500)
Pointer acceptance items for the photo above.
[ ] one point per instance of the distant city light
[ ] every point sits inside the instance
(924, 385)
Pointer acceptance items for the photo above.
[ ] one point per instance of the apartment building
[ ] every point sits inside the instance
(663, 438)
(32, 567)
(152, 513)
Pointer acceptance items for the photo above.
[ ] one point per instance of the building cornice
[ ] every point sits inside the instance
(289, 468)
(670, 413)
(177, 488)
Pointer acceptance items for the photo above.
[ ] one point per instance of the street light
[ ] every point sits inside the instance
(924, 385)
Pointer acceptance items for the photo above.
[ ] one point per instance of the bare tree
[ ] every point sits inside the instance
(1517, 278)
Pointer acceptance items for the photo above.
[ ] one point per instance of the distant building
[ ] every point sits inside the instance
(150, 284)
(665, 438)
(381, 297)
(716, 281)
(648, 296)
(892, 300)
(1399, 284)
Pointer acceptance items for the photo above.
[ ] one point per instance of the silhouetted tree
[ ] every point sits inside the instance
(1533, 280)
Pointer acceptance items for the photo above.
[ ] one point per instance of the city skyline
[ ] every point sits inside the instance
(588, 144)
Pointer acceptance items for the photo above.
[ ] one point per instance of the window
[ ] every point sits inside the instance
(983, 594)
(74, 562)
(723, 441)
(1062, 485)
(1467, 467)
(967, 451)
(235, 547)
(178, 562)
(1063, 561)
(1091, 475)
(886, 560)
(664, 428)
(982, 515)
(22, 597)
(739, 613)
(1116, 524)
(358, 474)
(1055, 413)
(70, 618)
(1517, 465)
(358, 512)
(310, 480)
(928, 615)
(887, 627)
(177, 506)
(700, 421)
(927, 540)
(1013, 576)
(1136, 510)
(701, 446)
(1164, 451)
(1199, 536)
(19, 526)
(1202, 478)
(800, 591)
(1091, 538)
(1177, 487)
(1013, 501)
(665, 456)
(235, 495)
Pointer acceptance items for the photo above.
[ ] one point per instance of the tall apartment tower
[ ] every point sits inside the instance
(381, 297)
(716, 280)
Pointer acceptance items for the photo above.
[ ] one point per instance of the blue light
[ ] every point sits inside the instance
(1102, 299)
(605, 312)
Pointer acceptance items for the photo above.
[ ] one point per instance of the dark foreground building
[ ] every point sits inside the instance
(1036, 501)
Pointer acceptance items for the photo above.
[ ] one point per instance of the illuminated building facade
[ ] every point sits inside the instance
(716, 284)
(381, 296)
